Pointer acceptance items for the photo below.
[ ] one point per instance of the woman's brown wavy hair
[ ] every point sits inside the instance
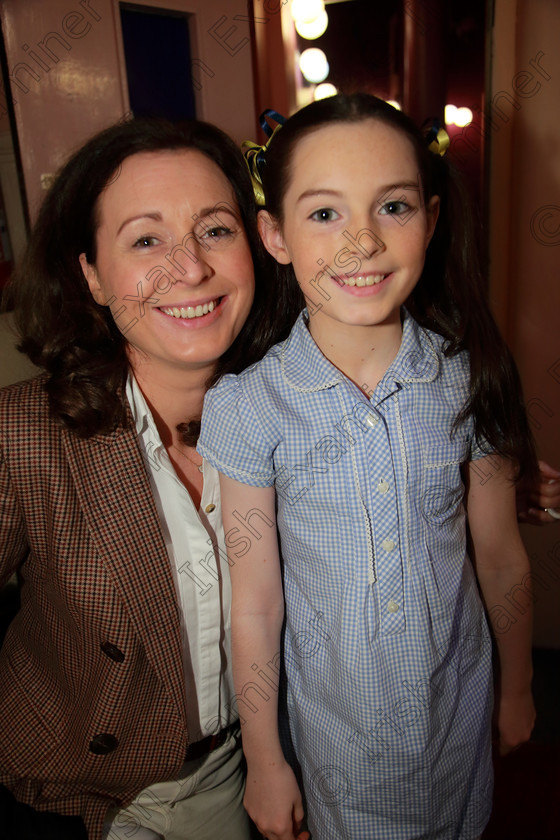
(76, 340)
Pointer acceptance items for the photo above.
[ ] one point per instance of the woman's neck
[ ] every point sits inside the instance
(174, 396)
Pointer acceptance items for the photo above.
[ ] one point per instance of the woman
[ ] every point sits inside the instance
(143, 283)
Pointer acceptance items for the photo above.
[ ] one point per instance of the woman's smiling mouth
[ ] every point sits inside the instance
(191, 311)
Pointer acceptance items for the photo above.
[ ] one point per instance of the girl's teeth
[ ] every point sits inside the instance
(366, 280)
(190, 311)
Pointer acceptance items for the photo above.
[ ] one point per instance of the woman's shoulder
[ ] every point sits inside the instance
(24, 414)
(25, 398)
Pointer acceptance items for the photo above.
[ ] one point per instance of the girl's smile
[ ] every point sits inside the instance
(360, 280)
(355, 227)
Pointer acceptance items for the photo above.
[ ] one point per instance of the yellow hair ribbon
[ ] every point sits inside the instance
(439, 141)
(255, 155)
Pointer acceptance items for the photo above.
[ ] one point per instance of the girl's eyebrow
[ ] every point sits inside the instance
(337, 194)
(402, 186)
(320, 191)
(155, 215)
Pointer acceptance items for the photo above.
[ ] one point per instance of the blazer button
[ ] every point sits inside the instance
(112, 651)
(103, 744)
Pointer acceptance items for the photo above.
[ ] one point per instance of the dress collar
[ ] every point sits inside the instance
(305, 368)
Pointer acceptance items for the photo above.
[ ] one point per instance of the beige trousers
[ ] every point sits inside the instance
(204, 802)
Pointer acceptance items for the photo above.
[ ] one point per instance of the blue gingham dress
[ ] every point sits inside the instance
(387, 649)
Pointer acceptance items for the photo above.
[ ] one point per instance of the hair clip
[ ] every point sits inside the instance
(437, 139)
(255, 155)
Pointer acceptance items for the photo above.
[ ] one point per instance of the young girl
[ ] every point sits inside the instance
(389, 418)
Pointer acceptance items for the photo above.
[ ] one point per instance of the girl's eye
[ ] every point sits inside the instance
(146, 242)
(325, 214)
(394, 208)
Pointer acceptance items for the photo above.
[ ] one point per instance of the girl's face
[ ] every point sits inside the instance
(355, 225)
(173, 261)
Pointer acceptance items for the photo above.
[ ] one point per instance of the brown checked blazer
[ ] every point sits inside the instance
(92, 706)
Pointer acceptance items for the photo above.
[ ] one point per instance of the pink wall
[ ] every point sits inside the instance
(64, 76)
(68, 79)
(525, 249)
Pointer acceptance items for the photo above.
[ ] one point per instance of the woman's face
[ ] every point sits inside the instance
(173, 261)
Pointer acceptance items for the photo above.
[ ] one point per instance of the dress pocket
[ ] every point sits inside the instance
(442, 488)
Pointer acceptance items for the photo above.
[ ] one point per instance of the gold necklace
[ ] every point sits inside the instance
(184, 454)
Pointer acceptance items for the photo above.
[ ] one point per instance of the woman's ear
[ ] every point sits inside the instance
(432, 214)
(90, 273)
(271, 235)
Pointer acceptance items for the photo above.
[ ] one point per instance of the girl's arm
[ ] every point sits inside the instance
(272, 796)
(502, 567)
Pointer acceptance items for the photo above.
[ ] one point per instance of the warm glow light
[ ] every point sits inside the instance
(458, 116)
(314, 65)
(450, 114)
(314, 29)
(324, 90)
(305, 11)
(463, 117)
(394, 103)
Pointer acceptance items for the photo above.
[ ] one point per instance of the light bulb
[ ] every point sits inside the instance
(450, 114)
(313, 30)
(463, 117)
(314, 65)
(307, 10)
(324, 90)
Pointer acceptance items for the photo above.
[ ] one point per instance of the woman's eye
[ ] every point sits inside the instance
(217, 232)
(394, 208)
(146, 242)
(325, 214)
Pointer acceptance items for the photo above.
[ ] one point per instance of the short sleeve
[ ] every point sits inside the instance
(232, 437)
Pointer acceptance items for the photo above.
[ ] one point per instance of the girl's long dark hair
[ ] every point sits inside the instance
(450, 296)
(76, 340)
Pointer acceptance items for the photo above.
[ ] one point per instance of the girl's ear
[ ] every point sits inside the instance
(90, 273)
(432, 214)
(272, 238)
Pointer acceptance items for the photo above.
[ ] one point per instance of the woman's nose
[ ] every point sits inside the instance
(190, 260)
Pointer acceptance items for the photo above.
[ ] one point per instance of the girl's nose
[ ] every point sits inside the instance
(365, 242)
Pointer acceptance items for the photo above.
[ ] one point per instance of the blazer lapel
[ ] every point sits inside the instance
(114, 491)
